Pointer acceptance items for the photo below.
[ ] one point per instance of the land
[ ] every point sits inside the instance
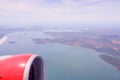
(12, 42)
(103, 40)
(112, 60)
(6, 29)
(108, 44)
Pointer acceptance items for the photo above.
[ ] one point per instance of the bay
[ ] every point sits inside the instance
(62, 62)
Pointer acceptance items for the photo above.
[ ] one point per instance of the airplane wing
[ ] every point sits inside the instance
(2, 40)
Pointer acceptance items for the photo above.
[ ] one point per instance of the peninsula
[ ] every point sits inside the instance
(108, 44)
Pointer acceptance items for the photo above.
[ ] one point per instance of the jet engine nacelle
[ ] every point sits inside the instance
(22, 67)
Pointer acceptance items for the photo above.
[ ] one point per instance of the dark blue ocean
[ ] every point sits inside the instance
(62, 62)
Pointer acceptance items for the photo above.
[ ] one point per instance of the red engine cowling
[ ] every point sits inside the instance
(22, 67)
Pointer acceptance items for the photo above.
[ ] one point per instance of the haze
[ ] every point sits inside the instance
(47, 12)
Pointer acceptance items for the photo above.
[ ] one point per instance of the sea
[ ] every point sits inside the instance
(62, 62)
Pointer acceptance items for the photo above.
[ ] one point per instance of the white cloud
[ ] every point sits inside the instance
(13, 6)
(69, 11)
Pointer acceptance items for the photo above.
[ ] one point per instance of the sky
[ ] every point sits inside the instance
(41, 12)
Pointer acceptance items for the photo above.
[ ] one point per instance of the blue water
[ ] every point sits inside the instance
(62, 62)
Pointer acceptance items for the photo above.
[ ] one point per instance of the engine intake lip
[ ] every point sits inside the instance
(34, 62)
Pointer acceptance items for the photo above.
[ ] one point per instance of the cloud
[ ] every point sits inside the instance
(59, 11)
(60, 6)
(14, 6)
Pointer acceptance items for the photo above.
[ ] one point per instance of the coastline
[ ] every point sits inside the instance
(104, 62)
(3, 40)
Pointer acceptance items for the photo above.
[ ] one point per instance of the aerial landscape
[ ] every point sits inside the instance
(100, 41)
(106, 43)
(77, 39)
(109, 44)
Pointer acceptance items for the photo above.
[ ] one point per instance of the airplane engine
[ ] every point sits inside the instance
(22, 67)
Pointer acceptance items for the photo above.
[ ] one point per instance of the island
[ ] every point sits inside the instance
(11, 42)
